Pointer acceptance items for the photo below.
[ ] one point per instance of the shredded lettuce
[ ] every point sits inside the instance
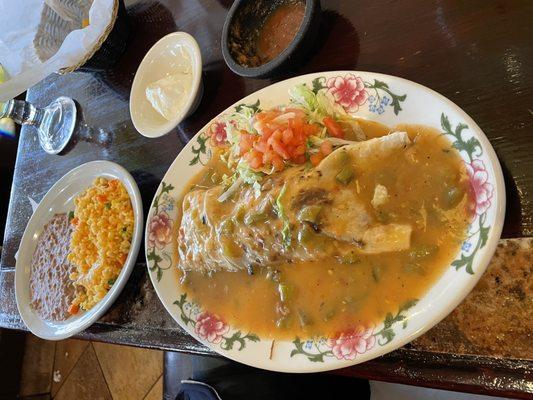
(240, 120)
(228, 180)
(314, 141)
(318, 106)
(244, 174)
(286, 231)
(257, 189)
(303, 96)
(230, 191)
(322, 104)
(236, 122)
(246, 111)
(328, 107)
(247, 174)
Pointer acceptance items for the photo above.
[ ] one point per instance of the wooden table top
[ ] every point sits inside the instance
(479, 54)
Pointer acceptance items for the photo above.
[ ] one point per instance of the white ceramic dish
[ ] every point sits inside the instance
(386, 99)
(60, 199)
(160, 62)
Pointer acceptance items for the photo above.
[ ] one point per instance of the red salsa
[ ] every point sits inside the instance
(279, 30)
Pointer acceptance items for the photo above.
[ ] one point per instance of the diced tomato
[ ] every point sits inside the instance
(277, 163)
(267, 115)
(262, 128)
(287, 136)
(302, 139)
(260, 117)
(73, 309)
(266, 135)
(300, 159)
(278, 148)
(267, 157)
(326, 147)
(243, 147)
(102, 198)
(316, 158)
(260, 146)
(245, 142)
(310, 130)
(294, 142)
(249, 137)
(333, 127)
(256, 162)
(290, 149)
(282, 140)
(254, 159)
(296, 124)
(276, 137)
(300, 150)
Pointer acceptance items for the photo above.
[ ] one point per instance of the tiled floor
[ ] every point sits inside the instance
(75, 369)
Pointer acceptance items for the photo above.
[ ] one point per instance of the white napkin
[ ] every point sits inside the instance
(19, 21)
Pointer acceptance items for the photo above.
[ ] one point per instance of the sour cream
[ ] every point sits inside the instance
(169, 94)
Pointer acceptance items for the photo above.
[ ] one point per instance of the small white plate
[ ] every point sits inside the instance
(160, 62)
(60, 199)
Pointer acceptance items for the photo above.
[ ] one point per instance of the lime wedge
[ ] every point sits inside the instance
(7, 126)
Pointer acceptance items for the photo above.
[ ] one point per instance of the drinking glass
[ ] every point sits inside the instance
(55, 122)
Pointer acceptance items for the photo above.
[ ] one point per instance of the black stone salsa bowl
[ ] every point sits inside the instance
(241, 30)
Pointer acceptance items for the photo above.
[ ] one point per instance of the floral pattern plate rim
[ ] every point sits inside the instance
(383, 98)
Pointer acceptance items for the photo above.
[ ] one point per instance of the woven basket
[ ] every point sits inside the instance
(110, 45)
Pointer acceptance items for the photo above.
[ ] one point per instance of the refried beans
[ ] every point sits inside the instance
(51, 290)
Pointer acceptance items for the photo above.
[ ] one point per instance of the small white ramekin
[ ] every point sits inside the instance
(146, 119)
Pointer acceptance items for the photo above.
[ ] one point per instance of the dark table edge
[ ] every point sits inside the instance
(410, 367)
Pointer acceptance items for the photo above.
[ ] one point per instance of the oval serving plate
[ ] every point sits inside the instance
(388, 100)
(60, 199)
